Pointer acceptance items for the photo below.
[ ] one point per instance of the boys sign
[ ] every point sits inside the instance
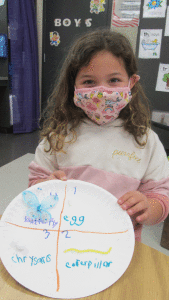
(77, 22)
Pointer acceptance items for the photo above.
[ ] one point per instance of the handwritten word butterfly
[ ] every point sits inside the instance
(37, 210)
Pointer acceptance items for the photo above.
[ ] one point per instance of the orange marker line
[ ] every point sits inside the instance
(68, 230)
(31, 227)
(98, 232)
(57, 245)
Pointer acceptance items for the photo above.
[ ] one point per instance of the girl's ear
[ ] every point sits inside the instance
(133, 80)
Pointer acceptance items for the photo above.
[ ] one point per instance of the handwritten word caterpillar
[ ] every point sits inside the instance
(89, 263)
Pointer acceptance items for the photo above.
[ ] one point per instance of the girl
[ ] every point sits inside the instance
(97, 129)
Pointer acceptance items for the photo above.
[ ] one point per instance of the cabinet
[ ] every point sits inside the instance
(4, 82)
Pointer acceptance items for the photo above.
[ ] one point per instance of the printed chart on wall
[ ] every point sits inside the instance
(126, 13)
(154, 8)
(150, 43)
(163, 78)
(66, 239)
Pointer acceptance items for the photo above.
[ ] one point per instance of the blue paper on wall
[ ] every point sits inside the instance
(3, 45)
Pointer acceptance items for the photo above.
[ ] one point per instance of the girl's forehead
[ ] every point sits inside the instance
(103, 60)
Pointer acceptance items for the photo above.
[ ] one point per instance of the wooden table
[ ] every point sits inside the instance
(146, 278)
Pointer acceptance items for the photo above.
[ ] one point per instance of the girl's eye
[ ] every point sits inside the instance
(88, 82)
(114, 80)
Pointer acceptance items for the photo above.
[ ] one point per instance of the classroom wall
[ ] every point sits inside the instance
(130, 33)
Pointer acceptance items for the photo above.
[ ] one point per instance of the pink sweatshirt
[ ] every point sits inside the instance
(109, 157)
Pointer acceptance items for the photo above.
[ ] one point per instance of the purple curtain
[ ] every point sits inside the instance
(24, 65)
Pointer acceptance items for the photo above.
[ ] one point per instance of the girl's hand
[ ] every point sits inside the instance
(58, 175)
(55, 175)
(136, 204)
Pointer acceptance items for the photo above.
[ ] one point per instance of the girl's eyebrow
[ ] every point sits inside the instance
(108, 75)
(85, 76)
(114, 74)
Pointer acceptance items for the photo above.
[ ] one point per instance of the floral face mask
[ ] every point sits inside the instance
(102, 104)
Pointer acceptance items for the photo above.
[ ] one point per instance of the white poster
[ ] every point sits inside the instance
(154, 9)
(150, 43)
(167, 23)
(163, 78)
(126, 13)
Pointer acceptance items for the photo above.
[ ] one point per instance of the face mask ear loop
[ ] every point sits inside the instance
(129, 83)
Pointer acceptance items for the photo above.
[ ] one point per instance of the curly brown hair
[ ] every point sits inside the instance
(61, 110)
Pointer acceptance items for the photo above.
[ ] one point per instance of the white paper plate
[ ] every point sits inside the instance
(84, 249)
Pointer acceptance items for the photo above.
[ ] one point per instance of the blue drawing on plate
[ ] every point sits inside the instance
(150, 46)
(39, 210)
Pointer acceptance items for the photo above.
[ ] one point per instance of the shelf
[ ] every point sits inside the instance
(159, 125)
(3, 81)
(3, 78)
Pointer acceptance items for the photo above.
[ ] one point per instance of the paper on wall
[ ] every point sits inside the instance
(97, 6)
(161, 117)
(154, 9)
(167, 23)
(163, 78)
(126, 13)
(2, 2)
(150, 43)
(54, 38)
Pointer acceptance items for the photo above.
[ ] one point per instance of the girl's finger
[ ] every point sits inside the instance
(59, 175)
(122, 199)
(126, 196)
(141, 206)
(142, 217)
(130, 202)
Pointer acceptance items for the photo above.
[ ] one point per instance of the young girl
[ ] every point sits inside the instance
(97, 129)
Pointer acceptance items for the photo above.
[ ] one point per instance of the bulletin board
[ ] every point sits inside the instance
(152, 50)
